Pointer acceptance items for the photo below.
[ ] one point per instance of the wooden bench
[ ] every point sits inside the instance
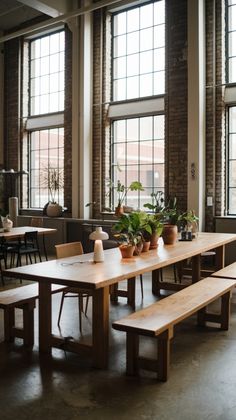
(23, 297)
(158, 320)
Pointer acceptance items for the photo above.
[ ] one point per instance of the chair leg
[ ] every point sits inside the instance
(175, 273)
(80, 301)
(86, 305)
(60, 310)
(141, 285)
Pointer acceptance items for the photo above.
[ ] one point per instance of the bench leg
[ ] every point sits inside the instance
(201, 317)
(156, 284)
(132, 351)
(225, 311)
(28, 323)
(114, 292)
(163, 355)
(9, 322)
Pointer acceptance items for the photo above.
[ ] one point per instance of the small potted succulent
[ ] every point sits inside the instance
(154, 221)
(188, 225)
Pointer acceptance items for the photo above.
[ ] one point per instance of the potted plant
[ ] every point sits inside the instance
(54, 180)
(155, 223)
(122, 192)
(171, 217)
(128, 230)
(188, 224)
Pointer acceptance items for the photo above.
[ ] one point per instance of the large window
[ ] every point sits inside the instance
(139, 52)
(232, 160)
(231, 41)
(45, 120)
(138, 83)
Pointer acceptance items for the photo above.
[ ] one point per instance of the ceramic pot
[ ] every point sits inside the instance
(154, 240)
(127, 251)
(138, 248)
(54, 210)
(146, 246)
(170, 234)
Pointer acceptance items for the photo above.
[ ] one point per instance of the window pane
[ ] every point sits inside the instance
(119, 23)
(146, 62)
(132, 87)
(119, 67)
(232, 173)
(120, 153)
(232, 44)
(146, 39)
(132, 42)
(146, 152)
(133, 20)
(232, 146)
(232, 70)
(159, 83)
(159, 12)
(146, 172)
(132, 129)
(159, 151)
(119, 131)
(232, 200)
(119, 45)
(232, 119)
(159, 36)
(133, 65)
(45, 46)
(146, 84)
(119, 89)
(132, 153)
(159, 176)
(232, 18)
(146, 128)
(146, 16)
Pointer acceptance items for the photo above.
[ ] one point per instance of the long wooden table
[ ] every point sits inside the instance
(82, 272)
(19, 232)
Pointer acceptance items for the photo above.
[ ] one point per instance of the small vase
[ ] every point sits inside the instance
(154, 240)
(138, 248)
(146, 246)
(127, 251)
(170, 234)
(119, 210)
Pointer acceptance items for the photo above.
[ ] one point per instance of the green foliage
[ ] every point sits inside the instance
(130, 227)
(123, 190)
(155, 223)
(158, 202)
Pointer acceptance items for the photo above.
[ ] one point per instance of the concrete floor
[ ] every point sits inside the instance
(202, 383)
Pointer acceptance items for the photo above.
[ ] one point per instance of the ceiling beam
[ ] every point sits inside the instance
(53, 8)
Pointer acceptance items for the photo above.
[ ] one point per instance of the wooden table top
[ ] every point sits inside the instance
(18, 232)
(81, 271)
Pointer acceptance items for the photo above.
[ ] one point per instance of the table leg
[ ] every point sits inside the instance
(45, 317)
(131, 292)
(196, 268)
(100, 327)
(44, 248)
(156, 286)
(220, 257)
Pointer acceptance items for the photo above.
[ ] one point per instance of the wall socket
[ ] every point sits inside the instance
(209, 201)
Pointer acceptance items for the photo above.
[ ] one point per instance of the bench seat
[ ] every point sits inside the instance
(158, 320)
(23, 297)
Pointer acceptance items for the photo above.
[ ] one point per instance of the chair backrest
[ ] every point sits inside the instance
(69, 250)
(36, 221)
(31, 238)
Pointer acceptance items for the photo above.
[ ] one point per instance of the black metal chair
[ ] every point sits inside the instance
(29, 246)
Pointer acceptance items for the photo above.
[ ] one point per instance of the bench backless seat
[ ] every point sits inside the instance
(23, 297)
(158, 320)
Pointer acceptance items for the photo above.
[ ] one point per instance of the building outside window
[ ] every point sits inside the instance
(138, 74)
(45, 121)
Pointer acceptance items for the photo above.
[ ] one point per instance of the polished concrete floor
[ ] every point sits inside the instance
(202, 383)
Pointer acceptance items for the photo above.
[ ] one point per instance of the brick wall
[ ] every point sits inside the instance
(68, 122)
(176, 101)
(215, 120)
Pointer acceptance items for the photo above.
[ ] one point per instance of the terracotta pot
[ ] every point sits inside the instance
(138, 248)
(127, 251)
(170, 234)
(146, 246)
(119, 210)
(154, 240)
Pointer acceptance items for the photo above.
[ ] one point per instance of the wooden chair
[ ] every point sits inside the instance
(3, 257)
(69, 250)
